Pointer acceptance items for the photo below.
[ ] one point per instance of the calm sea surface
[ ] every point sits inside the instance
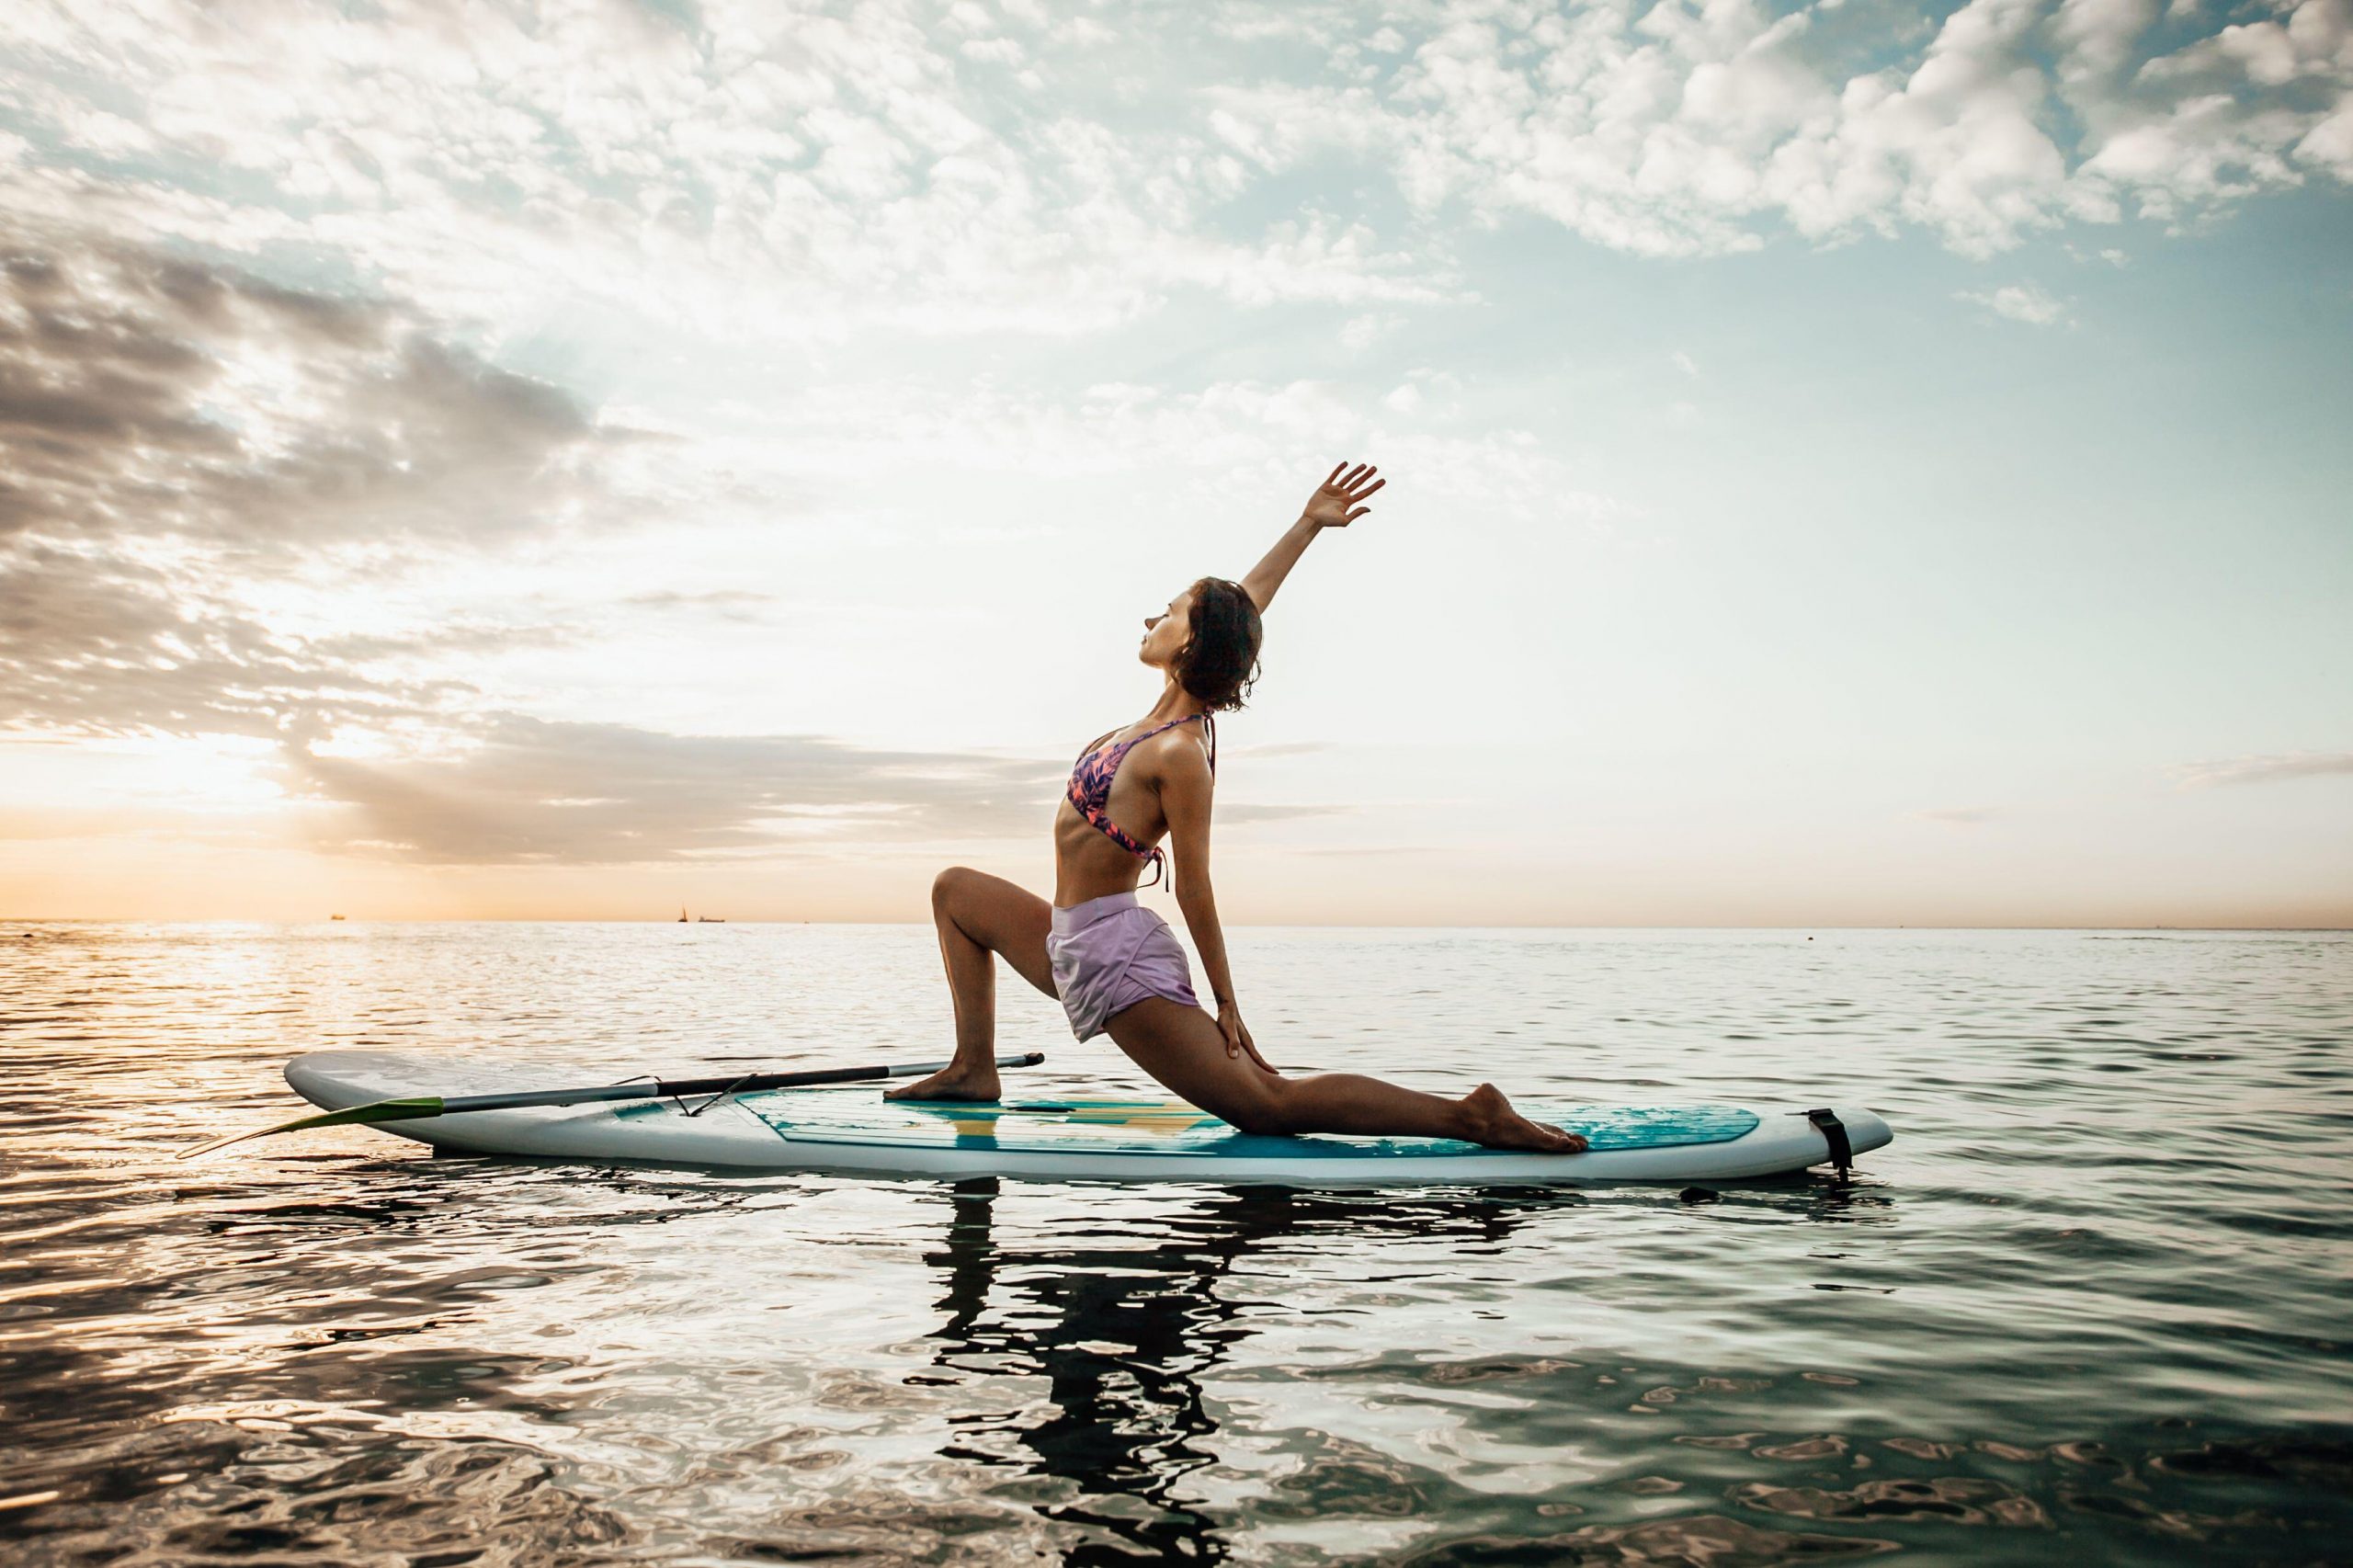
(2092, 1306)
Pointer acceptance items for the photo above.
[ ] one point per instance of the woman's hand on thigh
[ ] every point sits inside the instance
(1186, 1052)
(1237, 1036)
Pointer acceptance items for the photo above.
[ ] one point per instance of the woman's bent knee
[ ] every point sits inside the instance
(948, 883)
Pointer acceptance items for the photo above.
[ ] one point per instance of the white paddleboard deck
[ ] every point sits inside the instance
(1040, 1137)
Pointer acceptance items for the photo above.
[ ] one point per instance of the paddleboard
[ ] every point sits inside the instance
(1044, 1138)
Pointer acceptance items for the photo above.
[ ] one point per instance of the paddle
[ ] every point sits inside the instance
(416, 1106)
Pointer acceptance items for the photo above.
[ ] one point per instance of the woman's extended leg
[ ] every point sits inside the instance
(980, 915)
(1183, 1048)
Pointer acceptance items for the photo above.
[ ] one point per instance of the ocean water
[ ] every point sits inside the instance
(2092, 1306)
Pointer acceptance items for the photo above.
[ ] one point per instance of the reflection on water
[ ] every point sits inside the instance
(1124, 1329)
(2089, 1303)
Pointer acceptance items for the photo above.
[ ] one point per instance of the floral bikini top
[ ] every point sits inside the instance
(1090, 786)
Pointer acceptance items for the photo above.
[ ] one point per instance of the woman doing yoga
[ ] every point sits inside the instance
(1114, 963)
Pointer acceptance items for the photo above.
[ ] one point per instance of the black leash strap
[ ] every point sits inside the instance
(672, 1093)
(715, 1099)
(1833, 1132)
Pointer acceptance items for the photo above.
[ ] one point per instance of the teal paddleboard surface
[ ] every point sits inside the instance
(1173, 1128)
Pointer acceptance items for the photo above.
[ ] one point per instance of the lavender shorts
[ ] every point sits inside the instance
(1109, 954)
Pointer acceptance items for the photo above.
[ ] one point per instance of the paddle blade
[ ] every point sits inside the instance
(366, 1114)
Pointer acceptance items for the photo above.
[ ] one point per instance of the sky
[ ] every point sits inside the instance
(1851, 463)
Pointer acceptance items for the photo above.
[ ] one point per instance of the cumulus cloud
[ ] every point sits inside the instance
(740, 167)
(2018, 302)
(1681, 128)
(798, 172)
(2263, 770)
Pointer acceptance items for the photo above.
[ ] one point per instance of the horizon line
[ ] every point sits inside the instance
(1268, 925)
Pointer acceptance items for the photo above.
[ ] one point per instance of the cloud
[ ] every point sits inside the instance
(1678, 129)
(92, 646)
(521, 791)
(742, 169)
(100, 643)
(754, 172)
(2263, 770)
(1238, 811)
(1373, 853)
(151, 395)
(1961, 816)
(205, 472)
(740, 606)
(2018, 302)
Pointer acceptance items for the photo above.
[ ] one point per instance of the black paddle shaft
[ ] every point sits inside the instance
(676, 1088)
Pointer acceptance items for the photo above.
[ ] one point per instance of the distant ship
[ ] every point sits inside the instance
(335, 916)
(682, 914)
(698, 920)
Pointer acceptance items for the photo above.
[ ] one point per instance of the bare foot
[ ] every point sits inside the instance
(1496, 1126)
(951, 1083)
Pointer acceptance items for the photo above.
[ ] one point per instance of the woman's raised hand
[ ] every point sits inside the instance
(1339, 500)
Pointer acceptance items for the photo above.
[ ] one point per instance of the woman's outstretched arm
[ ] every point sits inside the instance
(1337, 501)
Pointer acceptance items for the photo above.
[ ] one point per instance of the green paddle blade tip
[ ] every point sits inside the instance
(366, 1114)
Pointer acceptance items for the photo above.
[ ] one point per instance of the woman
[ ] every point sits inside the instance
(1113, 963)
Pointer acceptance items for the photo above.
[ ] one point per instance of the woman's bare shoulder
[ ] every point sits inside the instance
(1175, 753)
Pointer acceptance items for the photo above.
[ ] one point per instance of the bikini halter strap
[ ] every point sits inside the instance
(1209, 728)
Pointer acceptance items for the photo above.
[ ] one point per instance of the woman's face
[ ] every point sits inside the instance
(1164, 634)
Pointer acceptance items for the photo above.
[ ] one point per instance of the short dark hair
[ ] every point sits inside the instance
(1219, 658)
